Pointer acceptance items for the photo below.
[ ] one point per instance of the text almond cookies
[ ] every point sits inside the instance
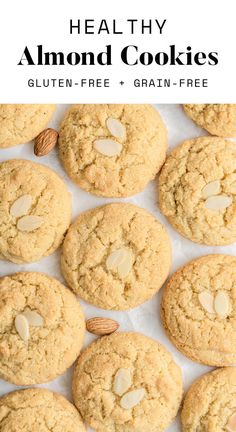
(116, 256)
(112, 150)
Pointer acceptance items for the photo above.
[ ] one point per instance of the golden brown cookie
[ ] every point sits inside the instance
(197, 190)
(127, 382)
(217, 119)
(116, 256)
(210, 403)
(38, 410)
(42, 328)
(112, 150)
(23, 122)
(199, 310)
(35, 211)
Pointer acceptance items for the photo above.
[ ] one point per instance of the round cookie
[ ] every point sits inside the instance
(42, 328)
(116, 256)
(23, 122)
(112, 150)
(35, 211)
(197, 190)
(217, 119)
(38, 410)
(199, 310)
(210, 403)
(126, 382)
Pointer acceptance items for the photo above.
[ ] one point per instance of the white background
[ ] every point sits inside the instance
(146, 318)
(204, 25)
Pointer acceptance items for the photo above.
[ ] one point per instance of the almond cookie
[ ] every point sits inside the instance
(217, 119)
(35, 211)
(112, 150)
(42, 328)
(210, 403)
(197, 190)
(21, 123)
(116, 256)
(127, 382)
(38, 410)
(199, 310)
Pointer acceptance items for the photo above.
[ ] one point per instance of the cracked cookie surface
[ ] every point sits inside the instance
(50, 203)
(205, 335)
(127, 173)
(195, 164)
(52, 347)
(217, 119)
(152, 369)
(210, 402)
(20, 123)
(38, 410)
(93, 239)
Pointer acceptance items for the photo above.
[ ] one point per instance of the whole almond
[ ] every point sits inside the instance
(101, 326)
(45, 142)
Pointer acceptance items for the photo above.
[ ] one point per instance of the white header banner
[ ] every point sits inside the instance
(119, 51)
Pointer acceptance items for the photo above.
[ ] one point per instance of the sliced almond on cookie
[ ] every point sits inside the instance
(231, 425)
(22, 327)
(132, 398)
(126, 265)
(206, 300)
(115, 259)
(29, 223)
(34, 318)
(21, 206)
(116, 128)
(212, 188)
(108, 147)
(120, 260)
(218, 202)
(122, 381)
(222, 304)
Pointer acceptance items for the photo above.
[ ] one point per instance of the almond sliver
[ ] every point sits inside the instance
(108, 147)
(122, 381)
(206, 300)
(21, 206)
(29, 223)
(115, 258)
(218, 202)
(125, 266)
(212, 188)
(222, 304)
(34, 318)
(132, 398)
(22, 327)
(116, 128)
